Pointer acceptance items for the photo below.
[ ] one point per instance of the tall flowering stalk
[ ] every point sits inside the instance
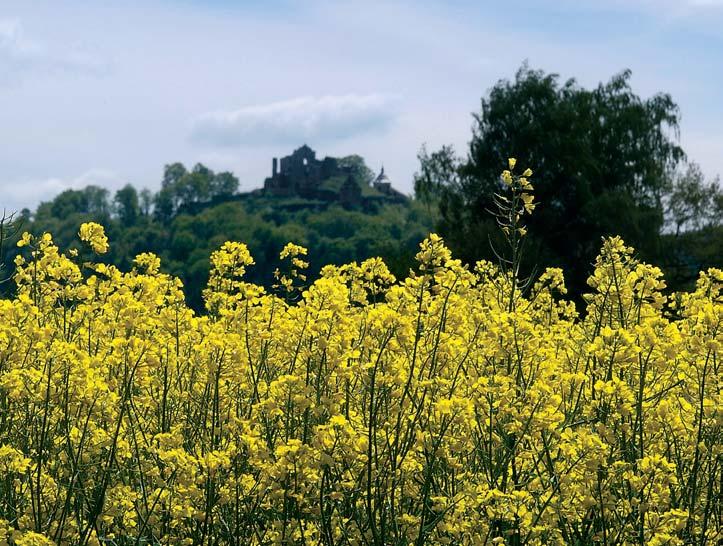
(511, 206)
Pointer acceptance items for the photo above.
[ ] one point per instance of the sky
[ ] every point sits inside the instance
(107, 93)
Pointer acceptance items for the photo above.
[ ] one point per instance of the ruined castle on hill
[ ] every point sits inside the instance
(302, 175)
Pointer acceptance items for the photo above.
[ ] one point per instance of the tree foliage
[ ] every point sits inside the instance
(127, 205)
(602, 157)
(358, 168)
(181, 189)
(438, 174)
(693, 203)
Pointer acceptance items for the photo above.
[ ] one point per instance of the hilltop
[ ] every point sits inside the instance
(337, 207)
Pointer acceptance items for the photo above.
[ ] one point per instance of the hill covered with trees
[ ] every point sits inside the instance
(196, 210)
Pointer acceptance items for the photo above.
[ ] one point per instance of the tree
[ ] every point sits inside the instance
(90, 200)
(164, 205)
(172, 174)
(194, 188)
(67, 203)
(693, 203)
(357, 168)
(182, 189)
(127, 205)
(146, 201)
(97, 201)
(438, 174)
(693, 234)
(199, 183)
(169, 198)
(601, 157)
(223, 184)
(9, 228)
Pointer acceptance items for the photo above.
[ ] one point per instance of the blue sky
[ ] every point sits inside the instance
(107, 93)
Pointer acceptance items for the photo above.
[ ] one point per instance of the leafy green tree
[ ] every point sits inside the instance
(198, 184)
(223, 184)
(172, 174)
(10, 226)
(164, 205)
(91, 199)
(602, 159)
(96, 199)
(67, 203)
(167, 201)
(182, 190)
(438, 174)
(693, 235)
(127, 205)
(193, 188)
(146, 201)
(358, 168)
(693, 203)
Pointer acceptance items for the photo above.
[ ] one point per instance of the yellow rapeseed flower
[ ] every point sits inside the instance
(94, 235)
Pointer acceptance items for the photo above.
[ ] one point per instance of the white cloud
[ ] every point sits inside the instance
(29, 193)
(19, 53)
(325, 118)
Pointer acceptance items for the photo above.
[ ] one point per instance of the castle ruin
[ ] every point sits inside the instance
(301, 174)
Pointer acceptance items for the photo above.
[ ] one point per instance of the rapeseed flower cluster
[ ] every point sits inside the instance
(449, 407)
(94, 235)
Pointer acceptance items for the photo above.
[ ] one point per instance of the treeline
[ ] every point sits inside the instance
(197, 210)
